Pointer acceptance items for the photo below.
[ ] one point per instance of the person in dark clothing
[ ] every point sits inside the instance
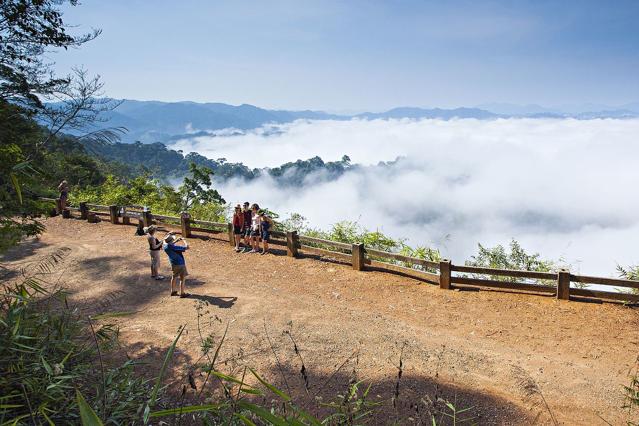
(265, 229)
(246, 231)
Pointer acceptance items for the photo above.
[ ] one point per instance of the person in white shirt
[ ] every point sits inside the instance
(255, 229)
(155, 246)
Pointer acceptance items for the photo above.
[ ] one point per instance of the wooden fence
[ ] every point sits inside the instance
(444, 273)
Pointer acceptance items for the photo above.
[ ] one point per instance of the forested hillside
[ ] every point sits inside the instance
(163, 163)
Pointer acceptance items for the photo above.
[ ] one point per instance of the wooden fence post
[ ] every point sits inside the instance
(291, 243)
(185, 220)
(229, 228)
(358, 256)
(147, 217)
(125, 219)
(563, 285)
(58, 206)
(84, 210)
(113, 214)
(444, 274)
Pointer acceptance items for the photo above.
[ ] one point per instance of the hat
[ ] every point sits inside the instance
(169, 238)
(151, 228)
(238, 207)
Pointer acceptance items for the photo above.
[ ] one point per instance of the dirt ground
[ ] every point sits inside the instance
(517, 359)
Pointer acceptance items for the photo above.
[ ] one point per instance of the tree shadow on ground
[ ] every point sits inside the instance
(410, 399)
(130, 291)
(25, 249)
(28, 256)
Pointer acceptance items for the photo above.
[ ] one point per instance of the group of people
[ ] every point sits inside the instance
(252, 225)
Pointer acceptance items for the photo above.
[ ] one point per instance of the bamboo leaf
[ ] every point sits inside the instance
(189, 409)
(87, 415)
(244, 419)
(47, 366)
(272, 388)
(158, 382)
(263, 414)
(16, 186)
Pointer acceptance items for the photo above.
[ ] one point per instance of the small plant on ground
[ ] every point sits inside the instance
(631, 392)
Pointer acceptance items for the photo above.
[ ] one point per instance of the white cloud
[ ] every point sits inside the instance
(564, 188)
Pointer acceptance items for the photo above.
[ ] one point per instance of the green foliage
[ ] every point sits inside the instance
(195, 195)
(48, 362)
(629, 273)
(28, 170)
(515, 257)
(294, 222)
(87, 415)
(296, 173)
(351, 407)
(352, 232)
(196, 188)
(28, 29)
(162, 163)
(632, 391)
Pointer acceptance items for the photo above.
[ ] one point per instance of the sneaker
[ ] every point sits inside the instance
(160, 277)
(174, 293)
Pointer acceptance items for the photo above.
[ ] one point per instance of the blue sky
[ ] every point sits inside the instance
(362, 55)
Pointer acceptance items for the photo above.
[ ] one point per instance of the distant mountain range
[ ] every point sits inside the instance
(154, 121)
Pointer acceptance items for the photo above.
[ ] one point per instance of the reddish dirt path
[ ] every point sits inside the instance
(499, 352)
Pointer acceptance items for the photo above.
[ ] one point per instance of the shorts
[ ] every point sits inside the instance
(155, 258)
(266, 236)
(246, 231)
(255, 233)
(179, 271)
(237, 230)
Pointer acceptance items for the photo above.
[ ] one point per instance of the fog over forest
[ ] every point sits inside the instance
(562, 187)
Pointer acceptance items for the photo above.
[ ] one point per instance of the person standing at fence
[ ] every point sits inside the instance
(248, 216)
(155, 246)
(265, 230)
(238, 226)
(255, 229)
(178, 264)
(63, 188)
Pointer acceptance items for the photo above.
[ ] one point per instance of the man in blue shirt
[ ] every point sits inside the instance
(178, 264)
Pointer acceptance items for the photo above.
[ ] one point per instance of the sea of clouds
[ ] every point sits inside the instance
(562, 187)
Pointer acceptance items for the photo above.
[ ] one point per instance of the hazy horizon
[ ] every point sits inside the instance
(489, 106)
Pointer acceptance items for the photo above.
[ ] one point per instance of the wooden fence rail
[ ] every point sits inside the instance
(443, 273)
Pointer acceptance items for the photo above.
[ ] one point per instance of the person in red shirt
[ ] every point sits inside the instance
(238, 226)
